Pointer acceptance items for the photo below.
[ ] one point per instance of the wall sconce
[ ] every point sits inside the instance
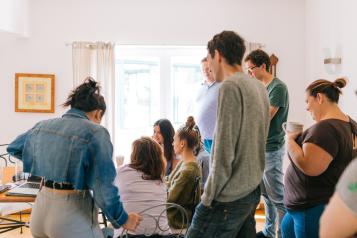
(333, 64)
(332, 61)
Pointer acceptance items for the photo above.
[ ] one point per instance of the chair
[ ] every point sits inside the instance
(104, 219)
(273, 62)
(166, 207)
(10, 207)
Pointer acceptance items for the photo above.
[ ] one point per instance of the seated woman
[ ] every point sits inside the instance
(318, 157)
(141, 187)
(164, 135)
(202, 159)
(182, 188)
(340, 216)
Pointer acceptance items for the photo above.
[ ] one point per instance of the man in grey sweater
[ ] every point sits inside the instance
(232, 190)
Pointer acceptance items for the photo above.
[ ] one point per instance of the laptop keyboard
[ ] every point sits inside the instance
(31, 185)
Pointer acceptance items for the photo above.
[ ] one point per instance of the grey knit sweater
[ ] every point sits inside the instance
(237, 161)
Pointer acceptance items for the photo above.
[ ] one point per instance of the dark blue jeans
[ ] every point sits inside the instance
(226, 219)
(302, 224)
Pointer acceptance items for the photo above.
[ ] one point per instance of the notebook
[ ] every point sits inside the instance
(27, 189)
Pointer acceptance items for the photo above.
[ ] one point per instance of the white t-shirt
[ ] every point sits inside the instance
(138, 195)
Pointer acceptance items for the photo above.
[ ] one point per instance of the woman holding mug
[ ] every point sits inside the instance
(318, 157)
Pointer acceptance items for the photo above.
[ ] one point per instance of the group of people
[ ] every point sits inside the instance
(145, 183)
(217, 178)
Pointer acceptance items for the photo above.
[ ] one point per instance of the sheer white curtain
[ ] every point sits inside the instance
(82, 60)
(97, 59)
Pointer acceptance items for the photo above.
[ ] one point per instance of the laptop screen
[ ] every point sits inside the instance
(34, 179)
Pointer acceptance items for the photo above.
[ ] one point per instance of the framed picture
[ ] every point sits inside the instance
(34, 92)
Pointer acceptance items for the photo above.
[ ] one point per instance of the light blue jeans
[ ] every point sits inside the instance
(273, 191)
(60, 215)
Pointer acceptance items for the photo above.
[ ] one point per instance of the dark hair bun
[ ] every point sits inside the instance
(340, 82)
(190, 123)
(90, 86)
(86, 97)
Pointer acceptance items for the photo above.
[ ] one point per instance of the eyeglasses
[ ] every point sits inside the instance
(250, 69)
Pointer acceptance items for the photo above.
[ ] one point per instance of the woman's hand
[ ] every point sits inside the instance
(133, 221)
(292, 135)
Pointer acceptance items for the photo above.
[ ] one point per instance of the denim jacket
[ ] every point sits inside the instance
(75, 150)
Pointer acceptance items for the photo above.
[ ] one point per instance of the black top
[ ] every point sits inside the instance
(335, 137)
(168, 167)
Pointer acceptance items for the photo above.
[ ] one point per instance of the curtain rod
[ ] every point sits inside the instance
(89, 44)
(122, 44)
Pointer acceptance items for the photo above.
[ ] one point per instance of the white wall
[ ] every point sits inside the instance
(331, 24)
(14, 17)
(279, 24)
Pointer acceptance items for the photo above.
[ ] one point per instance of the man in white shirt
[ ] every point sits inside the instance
(206, 106)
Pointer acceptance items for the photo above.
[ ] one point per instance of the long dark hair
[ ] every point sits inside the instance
(167, 131)
(86, 97)
(191, 134)
(147, 157)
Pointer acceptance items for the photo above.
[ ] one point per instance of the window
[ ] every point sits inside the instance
(138, 88)
(186, 76)
(152, 83)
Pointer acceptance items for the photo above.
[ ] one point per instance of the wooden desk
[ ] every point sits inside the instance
(12, 224)
(4, 198)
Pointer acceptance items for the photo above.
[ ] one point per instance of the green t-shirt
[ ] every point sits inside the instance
(278, 97)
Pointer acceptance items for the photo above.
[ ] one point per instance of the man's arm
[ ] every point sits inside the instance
(337, 220)
(227, 132)
(340, 216)
(272, 111)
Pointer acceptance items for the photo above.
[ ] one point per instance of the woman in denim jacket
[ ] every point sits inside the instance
(73, 154)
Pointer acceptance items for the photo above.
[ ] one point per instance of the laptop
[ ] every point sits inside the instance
(27, 189)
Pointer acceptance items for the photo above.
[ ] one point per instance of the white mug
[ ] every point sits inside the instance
(292, 127)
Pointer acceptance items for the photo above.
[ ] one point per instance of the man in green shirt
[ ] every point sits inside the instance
(258, 63)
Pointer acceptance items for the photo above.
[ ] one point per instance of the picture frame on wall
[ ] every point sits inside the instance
(34, 92)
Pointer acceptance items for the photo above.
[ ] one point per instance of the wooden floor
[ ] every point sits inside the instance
(27, 234)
